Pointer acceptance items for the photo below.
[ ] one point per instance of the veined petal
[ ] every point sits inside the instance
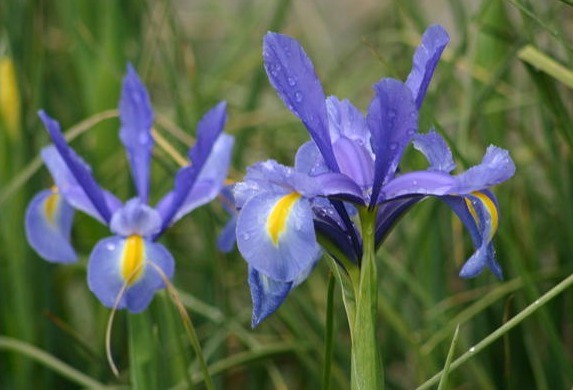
(346, 120)
(209, 129)
(292, 75)
(393, 122)
(69, 188)
(495, 168)
(210, 180)
(335, 185)
(309, 160)
(135, 218)
(79, 169)
(275, 235)
(434, 147)
(425, 60)
(479, 213)
(48, 226)
(136, 118)
(133, 262)
(267, 295)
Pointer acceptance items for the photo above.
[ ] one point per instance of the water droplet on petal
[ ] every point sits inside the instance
(391, 113)
(246, 236)
(143, 138)
(110, 247)
(411, 132)
(291, 81)
(472, 349)
(298, 96)
(393, 146)
(415, 182)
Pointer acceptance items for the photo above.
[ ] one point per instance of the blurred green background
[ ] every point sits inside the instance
(505, 79)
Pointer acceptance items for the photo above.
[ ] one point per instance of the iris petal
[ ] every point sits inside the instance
(393, 122)
(209, 129)
(79, 169)
(106, 270)
(135, 218)
(275, 234)
(346, 120)
(426, 59)
(267, 295)
(210, 181)
(479, 214)
(136, 118)
(292, 75)
(48, 225)
(436, 150)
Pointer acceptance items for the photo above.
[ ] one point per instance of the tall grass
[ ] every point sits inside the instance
(505, 79)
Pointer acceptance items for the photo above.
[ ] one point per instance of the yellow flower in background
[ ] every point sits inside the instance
(9, 98)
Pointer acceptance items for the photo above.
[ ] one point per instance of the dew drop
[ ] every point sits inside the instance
(110, 247)
(291, 81)
(143, 138)
(298, 96)
(246, 236)
(393, 146)
(472, 349)
(415, 182)
(391, 113)
(411, 132)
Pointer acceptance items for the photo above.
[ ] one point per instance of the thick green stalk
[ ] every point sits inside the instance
(366, 371)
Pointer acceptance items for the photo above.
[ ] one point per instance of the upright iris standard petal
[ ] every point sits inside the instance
(393, 122)
(77, 167)
(135, 218)
(426, 59)
(128, 271)
(208, 130)
(48, 226)
(136, 118)
(292, 74)
(209, 182)
(69, 187)
(275, 234)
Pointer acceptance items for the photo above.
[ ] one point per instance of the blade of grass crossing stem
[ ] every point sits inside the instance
(516, 320)
(443, 385)
(328, 335)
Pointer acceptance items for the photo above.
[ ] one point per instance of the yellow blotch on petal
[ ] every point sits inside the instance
(133, 259)
(489, 205)
(278, 216)
(51, 205)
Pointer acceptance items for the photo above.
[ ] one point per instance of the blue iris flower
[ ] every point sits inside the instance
(352, 161)
(126, 269)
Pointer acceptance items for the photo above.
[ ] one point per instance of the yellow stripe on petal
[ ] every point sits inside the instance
(278, 216)
(132, 259)
(489, 205)
(51, 206)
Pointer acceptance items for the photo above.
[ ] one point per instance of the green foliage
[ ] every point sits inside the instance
(505, 79)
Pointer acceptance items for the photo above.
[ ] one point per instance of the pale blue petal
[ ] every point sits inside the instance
(106, 281)
(210, 181)
(69, 187)
(295, 248)
(309, 160)
(136, 118)
(434, 147)
(95, 201)
(209, 129)
(48, 226)
(135, 218)
(292, 75)
(425, 60)
(495, 168)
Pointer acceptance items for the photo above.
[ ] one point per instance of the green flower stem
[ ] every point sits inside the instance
(366, 372)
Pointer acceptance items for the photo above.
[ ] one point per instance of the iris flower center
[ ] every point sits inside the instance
(132, 259)
(279, 214)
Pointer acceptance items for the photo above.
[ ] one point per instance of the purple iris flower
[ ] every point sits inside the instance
(352, 162)
(126, 269)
